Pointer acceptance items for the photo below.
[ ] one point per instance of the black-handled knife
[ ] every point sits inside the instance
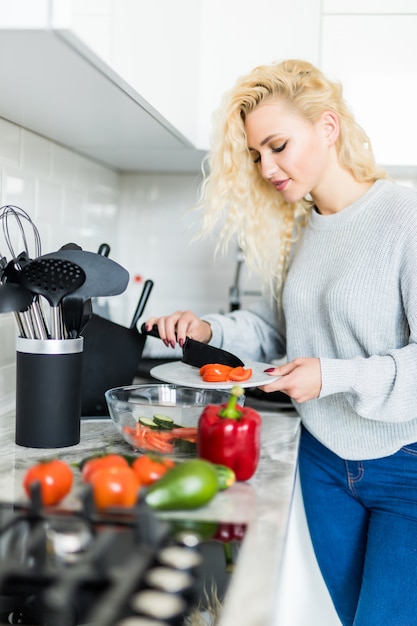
(197, 354)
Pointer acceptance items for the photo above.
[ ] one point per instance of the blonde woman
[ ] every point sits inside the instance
(293, 176)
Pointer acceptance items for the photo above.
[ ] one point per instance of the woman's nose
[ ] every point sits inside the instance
(268, 169)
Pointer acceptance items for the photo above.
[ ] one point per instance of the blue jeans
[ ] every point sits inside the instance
(362, 517)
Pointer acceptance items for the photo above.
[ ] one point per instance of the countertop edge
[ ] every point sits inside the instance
(251, 597)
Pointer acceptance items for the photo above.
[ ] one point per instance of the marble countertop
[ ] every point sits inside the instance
(263, 503)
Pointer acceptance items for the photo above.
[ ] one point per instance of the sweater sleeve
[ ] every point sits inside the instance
(257, 333)
(381, 388)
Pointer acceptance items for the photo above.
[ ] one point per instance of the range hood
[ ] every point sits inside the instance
(54, 85)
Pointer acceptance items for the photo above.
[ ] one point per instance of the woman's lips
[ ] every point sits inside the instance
(280, 185)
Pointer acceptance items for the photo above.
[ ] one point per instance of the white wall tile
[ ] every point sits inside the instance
(68, 197)
(145, 218)
(63, 165)
(158, 229)
(36, 153)
(19, 189)
(10, 143)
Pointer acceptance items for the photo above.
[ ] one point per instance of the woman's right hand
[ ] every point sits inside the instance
(175, 328)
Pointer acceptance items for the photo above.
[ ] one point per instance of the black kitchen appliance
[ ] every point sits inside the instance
(83, 568)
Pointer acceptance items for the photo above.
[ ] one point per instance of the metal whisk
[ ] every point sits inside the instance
(31, 322)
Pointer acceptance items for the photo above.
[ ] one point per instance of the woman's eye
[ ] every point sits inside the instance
(257, 159)
(280, 148)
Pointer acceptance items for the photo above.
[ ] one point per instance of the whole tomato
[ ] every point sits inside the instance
(100, 462)
(55, 478)
(148, 469)
(114, 487)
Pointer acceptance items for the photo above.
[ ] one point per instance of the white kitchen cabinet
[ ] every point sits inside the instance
(55, 85)
(183, 56)
(133, 84)
(238, 35)
(374, 57)
(153, 46)
(302, 598)
(379, 7)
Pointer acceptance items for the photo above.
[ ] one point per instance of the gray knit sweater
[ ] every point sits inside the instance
(350, 299)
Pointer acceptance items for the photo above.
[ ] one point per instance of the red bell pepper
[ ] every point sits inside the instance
(226, 533)
(229, 434)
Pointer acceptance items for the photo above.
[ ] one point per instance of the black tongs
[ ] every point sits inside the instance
(197, 354)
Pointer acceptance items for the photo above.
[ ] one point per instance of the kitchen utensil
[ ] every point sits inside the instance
(72, 313)
(143, 299)
(31, 323)
(180, 373)
(53, 279)
(87, 314)
(104, 249)
(77, 313)
(104, 277)
(180, 404)
(13, 219)
(197, 354)
(111, 356)
(75, 309)
(14, 298)
(48, 392)
(71, 246)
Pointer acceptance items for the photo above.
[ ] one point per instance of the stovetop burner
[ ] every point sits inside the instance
(116, 568)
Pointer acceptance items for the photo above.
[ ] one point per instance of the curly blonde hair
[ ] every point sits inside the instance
(234, 193)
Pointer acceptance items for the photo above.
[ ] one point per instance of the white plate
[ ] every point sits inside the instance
(179, 373)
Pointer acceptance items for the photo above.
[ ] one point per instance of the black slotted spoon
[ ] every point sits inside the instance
(53, 279)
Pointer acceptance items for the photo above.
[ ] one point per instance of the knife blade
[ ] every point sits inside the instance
(197, 354)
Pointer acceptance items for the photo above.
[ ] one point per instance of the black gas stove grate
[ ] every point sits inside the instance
(73, 568)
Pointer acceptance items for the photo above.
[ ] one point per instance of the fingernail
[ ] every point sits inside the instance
(172, 344)
(270, 369)
(166, 342)
(181, 342)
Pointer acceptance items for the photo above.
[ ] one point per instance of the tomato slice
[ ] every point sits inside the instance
(215, 372)
(239, 374)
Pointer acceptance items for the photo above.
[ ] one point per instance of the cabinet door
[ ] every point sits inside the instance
(374, 57)
(351, 7)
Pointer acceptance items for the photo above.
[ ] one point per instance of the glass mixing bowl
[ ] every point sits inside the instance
(161, 418)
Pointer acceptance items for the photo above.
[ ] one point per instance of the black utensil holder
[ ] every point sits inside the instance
(48, 392)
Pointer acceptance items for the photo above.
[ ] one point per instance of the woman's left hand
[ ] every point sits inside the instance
(300, 379)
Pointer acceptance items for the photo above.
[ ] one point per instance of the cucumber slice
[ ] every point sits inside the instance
(147, 421)
(163, 421)
(186, 447)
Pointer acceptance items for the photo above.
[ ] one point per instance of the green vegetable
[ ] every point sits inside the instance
(188, 485)
(201, 529)
(225, 476)
(147, 421)
(163, 421)
(186, 447)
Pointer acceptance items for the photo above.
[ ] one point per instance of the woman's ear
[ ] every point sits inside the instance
(330, 125)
